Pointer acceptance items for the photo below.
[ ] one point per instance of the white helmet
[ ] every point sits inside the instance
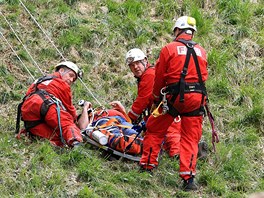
(185, 22)
(133, 55)
(71, 66)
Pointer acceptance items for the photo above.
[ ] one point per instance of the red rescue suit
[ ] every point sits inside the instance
(49, 126)
(144, 98)
(168, 71)
(108, 113)
(143, 104)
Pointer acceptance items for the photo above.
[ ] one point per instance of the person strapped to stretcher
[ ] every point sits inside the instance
(113, 125)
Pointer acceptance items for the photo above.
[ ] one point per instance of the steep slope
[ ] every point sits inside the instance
(97, 34)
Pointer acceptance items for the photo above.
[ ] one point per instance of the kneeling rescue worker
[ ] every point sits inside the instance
(47, 109)
(181, 71)
(145, 74)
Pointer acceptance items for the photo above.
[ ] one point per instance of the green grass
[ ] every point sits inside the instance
(97, 34)
(167, 9)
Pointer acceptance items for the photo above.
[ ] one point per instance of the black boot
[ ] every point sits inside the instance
(76, 145)
(142, 170)
(189, 185)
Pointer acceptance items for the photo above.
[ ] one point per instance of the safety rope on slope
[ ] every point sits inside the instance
(33, 18)
(40, 27)
(17, 56)
(10, 25)
(90, 92)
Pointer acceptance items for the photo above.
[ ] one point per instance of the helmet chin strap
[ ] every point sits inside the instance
(144, 64)
(187, 31)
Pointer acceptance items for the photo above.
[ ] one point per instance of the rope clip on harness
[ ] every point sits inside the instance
(164, 103)
(58, 104)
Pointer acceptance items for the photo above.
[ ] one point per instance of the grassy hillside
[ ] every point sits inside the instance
(97, 34)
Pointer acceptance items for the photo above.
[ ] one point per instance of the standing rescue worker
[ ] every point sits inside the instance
(181, 71)
(145, 74)
(47, 109)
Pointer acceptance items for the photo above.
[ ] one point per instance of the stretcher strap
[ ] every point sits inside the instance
(59, 121)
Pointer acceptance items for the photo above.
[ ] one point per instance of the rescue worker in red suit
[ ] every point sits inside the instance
(185, 97)
(145, 74)
(52, 94)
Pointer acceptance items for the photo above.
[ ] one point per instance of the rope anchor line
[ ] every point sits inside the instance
(10, 25)
(49, 39)
(17, 56)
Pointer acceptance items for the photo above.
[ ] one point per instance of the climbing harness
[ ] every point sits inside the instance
(48, 100)
(183, 87)
(44, 107)
(58, 104)
(165, 107)
(164, 104)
